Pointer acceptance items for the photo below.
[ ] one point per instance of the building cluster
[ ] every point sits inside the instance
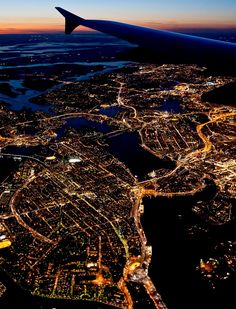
(70, 210)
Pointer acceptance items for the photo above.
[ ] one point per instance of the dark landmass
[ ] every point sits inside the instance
(6, 89)
(51, 71)
(66, 56)
(11, 54)
(82, 95)
(3, 104)
(39, 84)
(225, 95)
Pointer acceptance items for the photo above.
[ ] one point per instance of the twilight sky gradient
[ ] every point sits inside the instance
(17, 16)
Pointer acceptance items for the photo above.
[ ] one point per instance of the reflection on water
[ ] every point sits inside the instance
(22, 101)
(23, 98)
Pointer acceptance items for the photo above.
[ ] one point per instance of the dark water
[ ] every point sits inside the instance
(7, 167)
(126, 147)
(172, 106)
(83, 123)
(111, 111)
(176, 254)
(26, 151)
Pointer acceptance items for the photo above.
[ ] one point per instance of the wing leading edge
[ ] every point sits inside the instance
(167, 46)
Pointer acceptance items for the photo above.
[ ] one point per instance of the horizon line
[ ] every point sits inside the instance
(174, 28)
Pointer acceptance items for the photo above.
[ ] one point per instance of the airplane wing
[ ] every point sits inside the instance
(164, 46)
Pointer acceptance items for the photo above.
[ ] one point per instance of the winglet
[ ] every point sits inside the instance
(72, 20)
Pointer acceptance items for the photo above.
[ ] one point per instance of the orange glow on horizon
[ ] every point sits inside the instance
(44, 25)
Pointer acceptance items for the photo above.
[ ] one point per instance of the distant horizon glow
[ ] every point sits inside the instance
(41, 17)
(53, 25)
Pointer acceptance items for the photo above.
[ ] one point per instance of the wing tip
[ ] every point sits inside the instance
(72, 21)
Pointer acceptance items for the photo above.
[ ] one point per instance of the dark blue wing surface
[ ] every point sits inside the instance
(166, 45)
